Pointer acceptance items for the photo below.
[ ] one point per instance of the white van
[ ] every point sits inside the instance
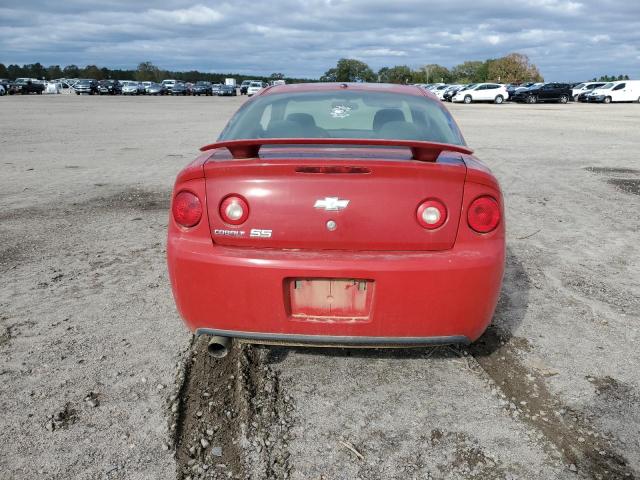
(620, 91)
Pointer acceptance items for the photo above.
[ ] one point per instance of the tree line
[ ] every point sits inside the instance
(610, 78)
(512, 68)
(146, 71)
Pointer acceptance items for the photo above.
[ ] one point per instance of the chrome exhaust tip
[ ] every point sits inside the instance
(218, 347)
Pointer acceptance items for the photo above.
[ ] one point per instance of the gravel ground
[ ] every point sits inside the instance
(99, 379)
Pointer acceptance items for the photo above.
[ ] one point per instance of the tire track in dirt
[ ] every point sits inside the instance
(228, 417)
(525, 395)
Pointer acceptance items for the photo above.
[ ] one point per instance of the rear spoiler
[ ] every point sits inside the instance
(420, 150)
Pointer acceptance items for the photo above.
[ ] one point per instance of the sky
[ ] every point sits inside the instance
(567, 40)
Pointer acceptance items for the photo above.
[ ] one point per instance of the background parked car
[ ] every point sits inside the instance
(25, 86)
(583, 96)
(450, 92)
(215, 88)
(254, 87)
(53, 87)
(483, 92)
(3, 91)
(87, 86)
(179, 88)
(227, 91)
(168, 84)
(109, 87)
(202, 88)
(439, 91)
(156, 89)
(132, 88)
(621, 91)
(244, 86)
(5, 82)
(585, 87)
(548, 92)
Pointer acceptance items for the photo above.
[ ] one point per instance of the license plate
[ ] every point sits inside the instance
(330, 299)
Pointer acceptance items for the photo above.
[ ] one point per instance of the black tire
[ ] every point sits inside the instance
(468, 99)
(607, 99)
(532, 99)
(575, 98)
(498, 100)
(564, 99)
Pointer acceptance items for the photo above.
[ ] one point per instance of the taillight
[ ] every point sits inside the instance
(187, 209)
(432, 214)
(484, 214)
(234, 210)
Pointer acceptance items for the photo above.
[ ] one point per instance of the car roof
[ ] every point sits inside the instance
(327, 86)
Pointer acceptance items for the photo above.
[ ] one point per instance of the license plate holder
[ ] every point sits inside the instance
(330, 299)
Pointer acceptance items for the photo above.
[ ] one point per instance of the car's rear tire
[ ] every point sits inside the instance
(498, 100)
(468, 99)
(564, 99)
(607, 99)
(575, 98)
(532, 99)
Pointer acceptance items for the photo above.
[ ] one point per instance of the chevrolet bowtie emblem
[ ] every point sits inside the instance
(331, 204)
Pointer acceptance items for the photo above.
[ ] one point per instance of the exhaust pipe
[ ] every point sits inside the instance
(219, 346)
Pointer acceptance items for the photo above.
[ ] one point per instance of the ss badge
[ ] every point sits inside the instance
(257, 233)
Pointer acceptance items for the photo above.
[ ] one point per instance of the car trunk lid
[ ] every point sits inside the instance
(335, 198)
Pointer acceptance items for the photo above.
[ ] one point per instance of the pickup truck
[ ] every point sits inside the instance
(25, 86)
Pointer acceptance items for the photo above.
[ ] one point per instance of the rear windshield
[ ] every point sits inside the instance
(344, 114)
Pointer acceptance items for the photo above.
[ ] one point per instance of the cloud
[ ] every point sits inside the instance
(567, 39)
(196, 15)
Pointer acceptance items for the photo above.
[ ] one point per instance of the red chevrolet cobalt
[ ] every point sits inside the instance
(337, 214)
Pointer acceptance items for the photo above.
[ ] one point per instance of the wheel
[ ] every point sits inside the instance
(532, 99)
(638, 99)
(575, 98)
(607, 99)
(499, 99)
(564, 99)
(467, 99)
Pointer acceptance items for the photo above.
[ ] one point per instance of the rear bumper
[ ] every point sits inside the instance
(325, 340)
(419, 297)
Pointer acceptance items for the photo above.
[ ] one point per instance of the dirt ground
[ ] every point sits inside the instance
(100, 380)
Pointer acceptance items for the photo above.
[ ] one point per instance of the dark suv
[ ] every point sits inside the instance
(548, 92)
(202, 88)
(25, 86)
(109, 87)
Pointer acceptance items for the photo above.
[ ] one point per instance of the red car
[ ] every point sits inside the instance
(337, 214)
